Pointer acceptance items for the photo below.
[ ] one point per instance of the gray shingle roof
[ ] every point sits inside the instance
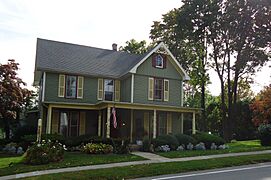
(77, 59)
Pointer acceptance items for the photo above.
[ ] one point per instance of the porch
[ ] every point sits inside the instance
(134, 121)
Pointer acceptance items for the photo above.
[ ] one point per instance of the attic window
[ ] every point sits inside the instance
(159, 61)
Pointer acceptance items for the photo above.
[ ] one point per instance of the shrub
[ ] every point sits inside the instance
(22, 131)
(121, 146)
(85, 139)
(100, 148)
(166, 140)
(208, 139)
(184, 139)
(146, 144)
(265, 134)
(44, 153)
(46, 137)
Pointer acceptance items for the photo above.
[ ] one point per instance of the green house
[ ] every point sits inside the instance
(109, 93)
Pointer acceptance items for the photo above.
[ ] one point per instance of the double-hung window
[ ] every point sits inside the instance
(108, 89)
(158, 89)
(71, 82)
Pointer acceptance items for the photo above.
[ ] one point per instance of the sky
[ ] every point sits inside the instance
(97, 23)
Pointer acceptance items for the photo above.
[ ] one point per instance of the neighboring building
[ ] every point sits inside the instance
(80, 85)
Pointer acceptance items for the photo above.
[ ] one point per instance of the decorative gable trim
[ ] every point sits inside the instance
(162, 49)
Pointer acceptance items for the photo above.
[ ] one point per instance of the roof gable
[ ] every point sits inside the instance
(173, 60)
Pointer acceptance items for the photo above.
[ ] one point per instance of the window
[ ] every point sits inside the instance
(158, 89)
(71, 82)
(159, 61)
(108, 89)
(69, 123)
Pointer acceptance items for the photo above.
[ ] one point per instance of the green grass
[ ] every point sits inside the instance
(238, 146)
(159, 168)
(70, 160)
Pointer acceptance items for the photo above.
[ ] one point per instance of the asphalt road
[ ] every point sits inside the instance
(250, 172)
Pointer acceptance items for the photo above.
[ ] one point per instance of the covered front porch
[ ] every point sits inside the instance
(134, 121)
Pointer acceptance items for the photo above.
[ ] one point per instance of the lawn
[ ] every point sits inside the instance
(234, 147)
(14, 165)
(136, 171)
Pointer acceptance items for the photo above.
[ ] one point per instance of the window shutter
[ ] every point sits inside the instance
(153, 60)
(169, 123)
(82, 128)
(55, 121)
(117, 90)
(80, 85)
(164, 61)
(151, 89)
(61, 85)
(166, 90)
(100, 89)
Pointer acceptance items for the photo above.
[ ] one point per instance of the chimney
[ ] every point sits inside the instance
(114, 47)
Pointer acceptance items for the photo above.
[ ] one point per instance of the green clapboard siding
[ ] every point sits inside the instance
(141, 91)
(51, 90)
(169, 72)
(125, 91)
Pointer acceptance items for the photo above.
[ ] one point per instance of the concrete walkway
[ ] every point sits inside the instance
(153, 158)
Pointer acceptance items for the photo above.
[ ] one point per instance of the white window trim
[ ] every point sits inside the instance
(113, 98)
(162, 66)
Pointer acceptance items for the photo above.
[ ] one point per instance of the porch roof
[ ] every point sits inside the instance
(124, 105)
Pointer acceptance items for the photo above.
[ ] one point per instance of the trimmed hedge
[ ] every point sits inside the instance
(185, 139)
(265, 134)
(166, 140)
(208, 139)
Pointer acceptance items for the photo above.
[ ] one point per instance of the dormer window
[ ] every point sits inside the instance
(159, 61)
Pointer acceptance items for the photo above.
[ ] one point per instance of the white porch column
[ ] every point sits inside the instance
(100, 123)
(108, 123)
(132, 125)
(49, 119)
(132, 88)
(194, 123)
(181, 123)
(154, 123)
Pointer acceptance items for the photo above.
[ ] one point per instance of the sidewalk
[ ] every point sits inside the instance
(153, 158)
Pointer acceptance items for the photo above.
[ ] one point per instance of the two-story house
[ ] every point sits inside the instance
(81, 85)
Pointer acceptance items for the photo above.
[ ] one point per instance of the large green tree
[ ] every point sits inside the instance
(135, 47)
(13, 95)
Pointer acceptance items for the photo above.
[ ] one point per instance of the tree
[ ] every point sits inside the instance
(135, 47)
(261, 107)
(12, 95)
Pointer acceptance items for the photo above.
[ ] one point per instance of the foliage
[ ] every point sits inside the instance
(22, 131)
(46, 137)
(184, 139)
(121, 146)
(146, 144)
(265, 134)
(44, 153)
(12, 94)
(261, 107)
(135, 47)
(100, 148)
(208, 139)
(166, 140)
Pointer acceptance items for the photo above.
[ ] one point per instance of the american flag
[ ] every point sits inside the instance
(114, 117)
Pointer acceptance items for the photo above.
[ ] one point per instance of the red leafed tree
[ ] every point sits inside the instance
(13, 95)
(261, 107)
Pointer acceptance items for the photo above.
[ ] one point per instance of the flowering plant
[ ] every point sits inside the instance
(100, 148)
(44, 152)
